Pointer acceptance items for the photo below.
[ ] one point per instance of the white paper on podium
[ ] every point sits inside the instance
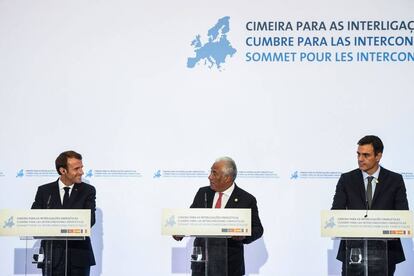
(45, 222)
(363, 224)
(206, 222)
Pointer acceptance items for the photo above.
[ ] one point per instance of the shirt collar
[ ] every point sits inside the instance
(62, 185)
(229, 190)
(375, 174)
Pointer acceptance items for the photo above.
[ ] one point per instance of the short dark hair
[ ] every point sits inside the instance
(373, 140)
(62, 159)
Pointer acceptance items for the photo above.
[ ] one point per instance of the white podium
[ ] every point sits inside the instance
(55, 227)
(212, 228)
(365, 236)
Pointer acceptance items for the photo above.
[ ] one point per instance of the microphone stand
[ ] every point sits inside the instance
(48, 249)
(365, 239)
(205, 243)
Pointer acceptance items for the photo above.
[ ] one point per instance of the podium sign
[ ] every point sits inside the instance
(206, 222)
(367, 224)
(45, 222)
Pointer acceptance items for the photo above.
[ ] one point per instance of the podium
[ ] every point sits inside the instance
(55, 227)
(366, 256)
(53, 250)
(365, 237)
(213, 259)
(211, 228)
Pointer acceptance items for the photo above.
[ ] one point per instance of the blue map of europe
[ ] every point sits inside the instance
(215, 51)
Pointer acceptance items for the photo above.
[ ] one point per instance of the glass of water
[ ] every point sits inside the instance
(197, 255)
(355, 256)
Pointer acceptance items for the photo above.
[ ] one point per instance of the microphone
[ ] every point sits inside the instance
(366, 206)
(205, 238)
(48, 202)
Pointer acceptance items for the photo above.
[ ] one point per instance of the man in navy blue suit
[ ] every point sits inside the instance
(224, 193)
(371, 187)
(68, 192)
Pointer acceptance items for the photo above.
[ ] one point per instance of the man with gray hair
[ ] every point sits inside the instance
(224, 193)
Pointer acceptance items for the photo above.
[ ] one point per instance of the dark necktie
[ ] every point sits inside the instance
(369, 191)
(218, 203)
(66, 197)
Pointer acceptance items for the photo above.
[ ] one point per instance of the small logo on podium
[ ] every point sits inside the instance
(9, 223)
(330, 223)
(170, 221)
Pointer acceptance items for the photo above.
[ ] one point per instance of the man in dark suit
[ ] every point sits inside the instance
(371, 187)
(224, 193)
(68, 192)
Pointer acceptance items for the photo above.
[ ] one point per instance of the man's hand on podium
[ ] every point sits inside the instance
(178, 238)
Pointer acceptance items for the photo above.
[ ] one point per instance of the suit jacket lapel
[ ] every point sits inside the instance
(361, 186)
(52, 200)
(210, 196)
(380, 184)
(55, 201)
(234, 198)
(74, 193)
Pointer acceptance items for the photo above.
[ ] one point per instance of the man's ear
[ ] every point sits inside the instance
(378, 156)
(62, 170)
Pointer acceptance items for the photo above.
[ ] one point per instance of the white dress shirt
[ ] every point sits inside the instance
(62, 191)
(224, 198)
(374, 181)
